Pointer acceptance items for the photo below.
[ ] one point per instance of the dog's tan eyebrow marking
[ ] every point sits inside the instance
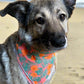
(38, 15)
(45, 11)
(41, 14)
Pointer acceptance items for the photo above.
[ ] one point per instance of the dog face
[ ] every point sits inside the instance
(42, 23)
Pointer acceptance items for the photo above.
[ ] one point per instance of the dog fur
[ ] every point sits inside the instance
(42, 24)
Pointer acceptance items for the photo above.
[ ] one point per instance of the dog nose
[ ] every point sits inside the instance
(58, 41)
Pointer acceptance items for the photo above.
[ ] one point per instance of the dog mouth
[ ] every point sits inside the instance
(52, 43)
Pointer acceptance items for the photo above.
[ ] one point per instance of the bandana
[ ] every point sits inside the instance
(35, 66)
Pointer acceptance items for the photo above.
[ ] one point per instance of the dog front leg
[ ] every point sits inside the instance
(4, 62)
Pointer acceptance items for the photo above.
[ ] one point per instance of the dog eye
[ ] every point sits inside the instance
(62, 17)
(40, 20)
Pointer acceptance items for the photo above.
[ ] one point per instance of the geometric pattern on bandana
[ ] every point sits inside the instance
(35, 66)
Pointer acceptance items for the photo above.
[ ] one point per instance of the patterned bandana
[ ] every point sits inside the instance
(35, 66)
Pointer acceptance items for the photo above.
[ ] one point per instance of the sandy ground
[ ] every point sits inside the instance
(70, 61)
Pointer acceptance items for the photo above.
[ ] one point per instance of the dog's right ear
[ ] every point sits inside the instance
(18, 9)
(70, 6)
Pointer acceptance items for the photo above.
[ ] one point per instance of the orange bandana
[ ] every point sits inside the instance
(36, 66)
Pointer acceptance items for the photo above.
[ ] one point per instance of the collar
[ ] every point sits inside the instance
(35, 66)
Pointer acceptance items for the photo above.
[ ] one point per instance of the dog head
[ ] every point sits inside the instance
(42, 23)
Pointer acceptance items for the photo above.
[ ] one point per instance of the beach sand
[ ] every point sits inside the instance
(70, 61)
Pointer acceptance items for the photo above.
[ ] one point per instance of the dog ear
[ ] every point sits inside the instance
(70, 6)
(19, 10)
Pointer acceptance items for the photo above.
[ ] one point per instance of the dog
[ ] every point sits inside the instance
(27, 56)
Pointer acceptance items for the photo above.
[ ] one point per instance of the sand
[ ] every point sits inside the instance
(70, 61)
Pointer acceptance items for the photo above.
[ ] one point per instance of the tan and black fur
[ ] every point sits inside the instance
(42, 24)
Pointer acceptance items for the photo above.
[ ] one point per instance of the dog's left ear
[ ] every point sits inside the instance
(19, 10)
(70, 6)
